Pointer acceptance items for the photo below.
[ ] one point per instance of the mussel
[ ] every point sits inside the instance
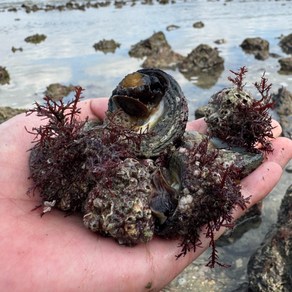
(151, 101)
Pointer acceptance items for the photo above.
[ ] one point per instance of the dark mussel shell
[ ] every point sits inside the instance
(151, 101)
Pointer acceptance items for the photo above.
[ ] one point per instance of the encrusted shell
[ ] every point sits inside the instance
(151, 101)
(120, 209)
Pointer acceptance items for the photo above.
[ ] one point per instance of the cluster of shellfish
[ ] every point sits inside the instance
(140, 173)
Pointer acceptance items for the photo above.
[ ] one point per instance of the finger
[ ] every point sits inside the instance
(282, 152)
(277, 129)
(197, 125)
(260, 182)
(98, 107)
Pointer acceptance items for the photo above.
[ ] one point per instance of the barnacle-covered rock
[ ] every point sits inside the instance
(157, 51)
(238, 119)
(256, 46)
(203, 62)
(151, 101)
(120, 209)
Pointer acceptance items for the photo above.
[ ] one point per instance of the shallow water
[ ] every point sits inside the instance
(67, 56)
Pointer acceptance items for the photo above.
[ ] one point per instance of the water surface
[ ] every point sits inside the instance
(67, 56)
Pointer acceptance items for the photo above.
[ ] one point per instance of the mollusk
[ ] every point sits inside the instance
(151, 101)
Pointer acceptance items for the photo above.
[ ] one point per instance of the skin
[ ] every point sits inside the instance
(56, 253)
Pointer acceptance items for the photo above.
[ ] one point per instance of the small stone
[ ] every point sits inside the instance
(198, 24)
(57, 91)
(106, 46)
(35, 39)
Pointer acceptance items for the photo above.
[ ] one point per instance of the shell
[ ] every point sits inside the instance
(121, 209)
(151, 101)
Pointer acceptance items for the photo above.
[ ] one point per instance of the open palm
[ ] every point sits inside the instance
(56, 253)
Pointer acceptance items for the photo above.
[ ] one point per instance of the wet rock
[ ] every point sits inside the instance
(286, 65)
(13, 49)
(9, 112)
(203, 62)
(149, 46)
(220, 41)
(70, 5)
(198, 24)
(106, 46)
(274, 55)
(270, 268)
(119, 4)
(172, 27)
(286, 44)
(202, 59)
(57, 91)
(4, 76)
(32, 8)
(158, 52)
(163, 59)
(256, 46)
(36, 38)
(283, 105)
(12, 9)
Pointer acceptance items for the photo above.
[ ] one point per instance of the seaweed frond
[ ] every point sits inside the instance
(239, 77)
(62, 118)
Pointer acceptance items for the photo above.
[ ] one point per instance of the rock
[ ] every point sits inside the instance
(13, 49)
(286, 44)
(283, 101)
(35, 39)
(198, 24)
(256, 46)
(164, 59)
(172, 27)
(220, 41)
(106, 46)
(202, 59)
(270, 268)
(158, 52)
(203, 62)
(283, 105)
(57, 91)
(4, 76)
(9, 112)
(286, 65)
(149, 46)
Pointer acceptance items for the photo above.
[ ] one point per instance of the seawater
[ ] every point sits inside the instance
(67, 56)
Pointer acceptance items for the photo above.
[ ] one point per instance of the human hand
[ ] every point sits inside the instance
(57, 253)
